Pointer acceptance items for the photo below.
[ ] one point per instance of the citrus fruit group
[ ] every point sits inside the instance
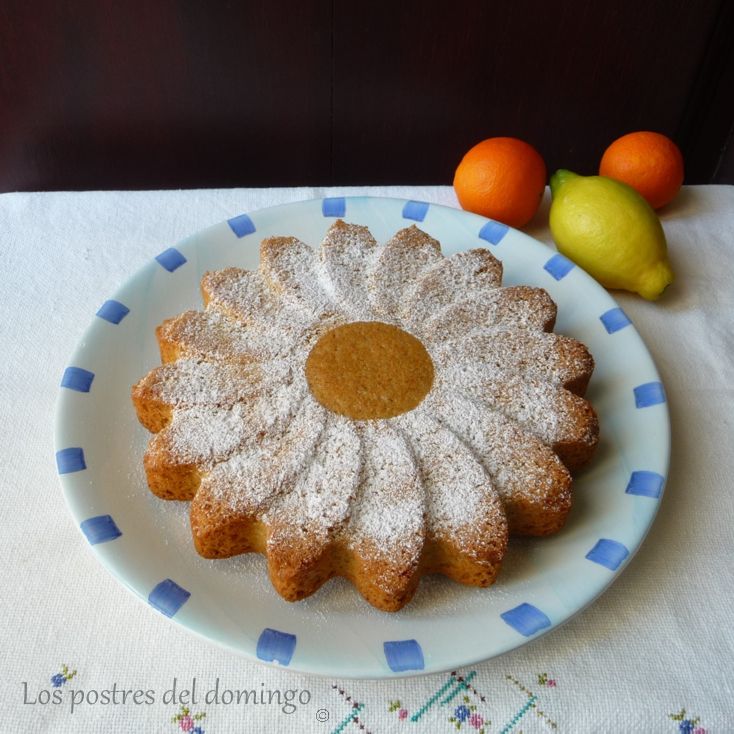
(503, 179)
(608, 229)
(651, 163)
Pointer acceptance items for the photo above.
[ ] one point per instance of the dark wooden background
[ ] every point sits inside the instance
(178, 93)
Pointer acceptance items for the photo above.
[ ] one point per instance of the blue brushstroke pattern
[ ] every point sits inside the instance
(75, 378)
(646, 484)
(168, 597)
(404, 655)
(274, 645)
(526, 619)
(559, 267)
(415, 210)
(170, 259)
(493, 232)
(113, 311)
(335, 206)
(608, 553)
(100, 529)
(241, 225)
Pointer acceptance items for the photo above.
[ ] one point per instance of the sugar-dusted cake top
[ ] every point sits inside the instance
(377, 412)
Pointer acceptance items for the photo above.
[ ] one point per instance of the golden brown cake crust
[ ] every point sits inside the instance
(270, 418)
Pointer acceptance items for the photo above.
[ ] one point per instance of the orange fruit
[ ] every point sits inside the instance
(503, 179)
(649, 162)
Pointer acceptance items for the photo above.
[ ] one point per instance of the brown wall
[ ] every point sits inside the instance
(166, 93)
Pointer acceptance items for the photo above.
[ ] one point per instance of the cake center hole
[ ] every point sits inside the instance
(367, 370)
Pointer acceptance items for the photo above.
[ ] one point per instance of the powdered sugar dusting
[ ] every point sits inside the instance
(390, 507)
(473, 273)
(519, 464)
(321, 499)
(206, 434)
(518, 307)
(211, 336)
(270, 328)
(243, 413)
(556, 359)
(551, 413)
(269, 464)
(393, 275)
(293, 270)
(189, 382)
(347, 253)
(459, 492)
(210, 434)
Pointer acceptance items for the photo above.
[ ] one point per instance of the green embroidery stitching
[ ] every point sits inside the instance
(541, 714)
(352, 716)
(356, 708)
(462, 686)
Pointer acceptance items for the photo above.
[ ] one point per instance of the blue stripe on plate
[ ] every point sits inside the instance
(403, 655)
(559, 266)
(75, 378)
(335, 206)
(168, 597)
(651, 393)
(646, 484)
(608, 553)
(275, 646)
(526, 619)
(70, 460)
(614, 320)
(100, 529)
(113, 311)
(493, 232)
(415, 210)
(241, 225)
(170, 259)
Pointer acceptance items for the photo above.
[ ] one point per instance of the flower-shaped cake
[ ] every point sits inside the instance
(374, 412)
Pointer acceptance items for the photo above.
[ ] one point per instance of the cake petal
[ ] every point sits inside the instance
(200, 437)
(244, 296)
(304, 525)
(562, 420)
(208, 335)
(516, 307)
(392, 276)
(346, 252)
(189, 382)
(386, 530)
(292, 269)
(466, 525)
(459, 277)
(557, 359)
(534, 484)
(227, 509)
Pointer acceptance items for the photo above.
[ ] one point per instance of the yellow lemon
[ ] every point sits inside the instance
(608, 229)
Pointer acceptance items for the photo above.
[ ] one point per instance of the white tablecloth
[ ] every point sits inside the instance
(654, 654)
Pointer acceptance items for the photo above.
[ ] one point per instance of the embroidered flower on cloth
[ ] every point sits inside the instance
(65, 675)
(686, 724)
(187, 721)
(466, 713)
(396, 706)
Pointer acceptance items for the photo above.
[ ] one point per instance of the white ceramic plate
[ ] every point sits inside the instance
(146, 542)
